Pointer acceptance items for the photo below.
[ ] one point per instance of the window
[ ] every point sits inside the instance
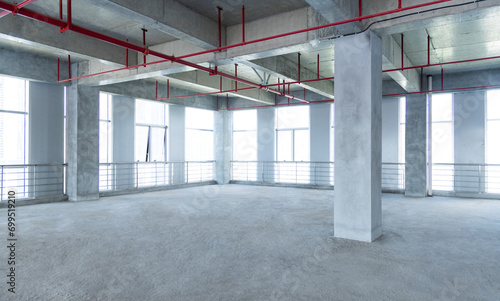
(492, 141)
(292, 143)
(402, 130)
(245, 145)
(105, 129)
(14, 133)
(151, 131)
(13, 120)
(442, 142)
(332, 133)
(199, 135)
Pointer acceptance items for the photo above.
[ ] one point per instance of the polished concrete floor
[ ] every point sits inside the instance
(237, 242)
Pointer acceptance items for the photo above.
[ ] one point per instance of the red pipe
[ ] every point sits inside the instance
(144, 30)
(227, 101)
(402, 48)
(58, 69)
(399, 3)
(69, 66)
(317, 27)
(243, 23)
(156, 90)
(299, 65)
(442, 79)
(126, 57)
(219, 9)
(317, 66)
(168, 88)
(236, 75)
(60, 9)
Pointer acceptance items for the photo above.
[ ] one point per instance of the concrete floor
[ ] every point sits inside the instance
(237, 242)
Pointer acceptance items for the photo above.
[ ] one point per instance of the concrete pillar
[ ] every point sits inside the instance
(390, 141)
(265, 144)
(123, 110)
(320, 143)
(223, 143)
(46, 137)
(416, 146)
(82, 139)
(358, 142)
(177, 143)
(469, 132)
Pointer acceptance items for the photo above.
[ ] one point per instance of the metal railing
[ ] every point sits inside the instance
(126, 176)
(283, 172)
(466, 178)
(31, 181)
(393, 176)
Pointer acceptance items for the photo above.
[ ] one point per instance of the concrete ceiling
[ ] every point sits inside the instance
(468, 34)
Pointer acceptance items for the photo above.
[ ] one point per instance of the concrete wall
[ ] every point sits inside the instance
(223, 143)
(416, 146)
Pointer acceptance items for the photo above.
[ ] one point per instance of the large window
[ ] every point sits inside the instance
(13, 121)
(402, 130)
(292, 144)
(245, 145)
(442, 142)
(492, 141)
(151, 131)
(105, 129)
(199, 135)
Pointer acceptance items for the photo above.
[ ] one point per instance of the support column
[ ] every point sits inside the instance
(123, 140)
(320, 142)
(416, 146)
(469, 122)
(358, 142)
(46, 139)
(265, 144)
(82, 142)
(177, 143)
(223, 145)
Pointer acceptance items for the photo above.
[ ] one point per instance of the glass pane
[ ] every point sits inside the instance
(301, 145)
(293, 117)
(103, 106)
(493, 143)
(284, 146)
(103, 142)
(141, 142)
(150, 112)
(157, 144)
(332, 115)
(245, 120)
(199, 119)
(442, 107)
(199, 145)
(12, 94)
(442, 143)
(245, 146)
(12, 138)
(332, 145)
(402, 110)
(493, 106)
(402, 143)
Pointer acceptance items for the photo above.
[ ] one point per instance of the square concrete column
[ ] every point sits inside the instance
(123, 141)
(223, 143)
(416, 146)
(177, 143)
(320, 143)
(82, 142)
(265, 144)
(469, 131)
(358, 137)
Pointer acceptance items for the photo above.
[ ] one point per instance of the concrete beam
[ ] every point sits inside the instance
(285, 69)
(169, 17)
(337, 10)
(391, 59)
(202, 81)
(48, 38)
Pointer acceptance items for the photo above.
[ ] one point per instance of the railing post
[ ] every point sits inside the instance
(136, 174)
(480, 175)
(34, 183)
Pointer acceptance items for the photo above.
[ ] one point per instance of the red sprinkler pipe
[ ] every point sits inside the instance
(69, 66)
(402, 48)
(144, 30)
(17, 7)
(236, 75)
(60, 9)
(219, 9)
(156, 90)
(317, 66)
(243, 23)
(299, 65)
(360, 4)
(399, 4)
(69, 18)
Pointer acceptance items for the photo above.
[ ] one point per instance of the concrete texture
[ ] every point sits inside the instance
(416, 145)
(223, 144)
(358, 136)
(232, 242)
(82, 139)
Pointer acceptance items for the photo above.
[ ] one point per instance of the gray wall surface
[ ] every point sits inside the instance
(416, 146)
